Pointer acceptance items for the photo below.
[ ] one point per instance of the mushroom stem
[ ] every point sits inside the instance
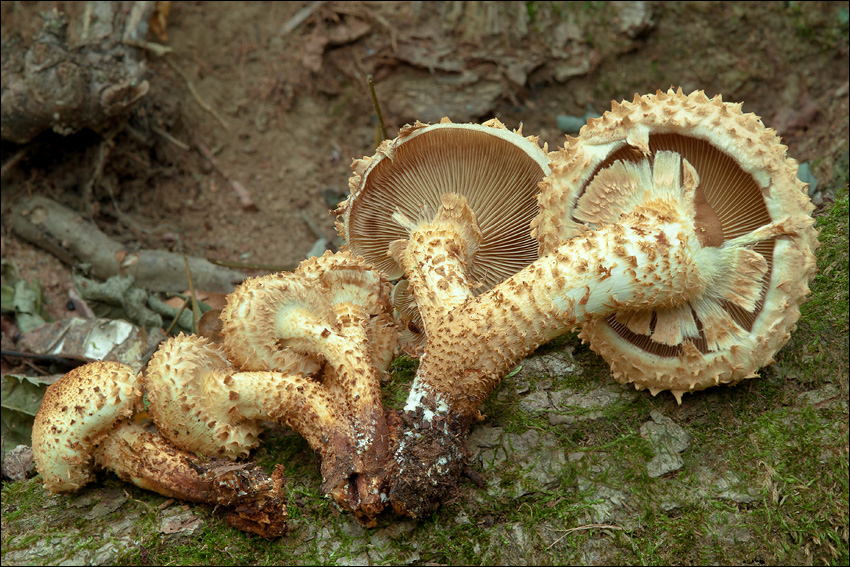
(361, 381)
(438, 261)
(255, 502)
(640, 263)
(296, 402)
(352, 379)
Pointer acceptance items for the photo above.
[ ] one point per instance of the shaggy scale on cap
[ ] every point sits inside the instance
(77, 412)
(177, 380)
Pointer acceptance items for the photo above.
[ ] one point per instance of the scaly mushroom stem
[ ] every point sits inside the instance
(649, 259)
(653, 257)
(296, 402)
(438, 262)
(255, 502)
(353, 380)
(370, 428)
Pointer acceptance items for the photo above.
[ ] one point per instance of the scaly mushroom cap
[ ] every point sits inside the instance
(281, 322)
(351, 280)
(248, 324)
(77, 412)
(745, 183)
(176, 380)
(495, 169)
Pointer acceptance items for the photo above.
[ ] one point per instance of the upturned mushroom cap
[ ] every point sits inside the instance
(747, 190)
(351, 280)
(248, 324)
(77, 412)
(495, 169)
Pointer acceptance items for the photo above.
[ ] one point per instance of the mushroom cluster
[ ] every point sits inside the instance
(92, 418)
(673, 232)
(307, 349)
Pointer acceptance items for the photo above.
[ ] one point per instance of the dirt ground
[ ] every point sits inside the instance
(294, 106)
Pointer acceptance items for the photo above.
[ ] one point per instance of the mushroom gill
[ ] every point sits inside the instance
(495, 169)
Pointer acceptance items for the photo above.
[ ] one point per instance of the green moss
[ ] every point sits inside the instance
(403, 371)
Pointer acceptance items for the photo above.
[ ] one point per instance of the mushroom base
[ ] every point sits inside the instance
(255, 502)
(431, 457)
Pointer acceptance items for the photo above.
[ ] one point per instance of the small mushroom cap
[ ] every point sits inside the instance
(280, 322)
(77, 412)
(249, 326)
(495, 169)
(747, 190)
(350, 279)
(176, 380)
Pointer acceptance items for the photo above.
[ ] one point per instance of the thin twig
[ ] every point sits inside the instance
(241, 192)
(203, 104)
(250, 266)
(47, 358)
(170, 138)
(12, 162)
(156, 48)
(177, 317)
(300, 17)
(584, 527)
(88, 188)
(377, 107)
(195, 315)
